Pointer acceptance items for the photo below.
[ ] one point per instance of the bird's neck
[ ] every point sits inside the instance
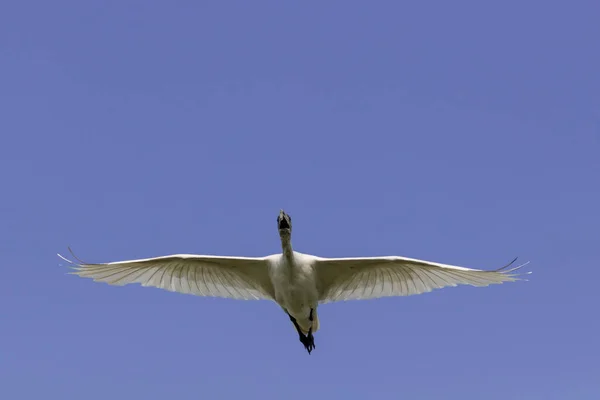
(286, 246)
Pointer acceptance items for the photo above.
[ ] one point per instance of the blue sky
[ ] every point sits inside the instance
(460, 132)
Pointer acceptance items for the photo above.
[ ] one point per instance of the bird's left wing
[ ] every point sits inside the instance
(245, 278)
(372, 277)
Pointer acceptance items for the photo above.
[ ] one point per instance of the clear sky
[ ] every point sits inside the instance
(460, 132)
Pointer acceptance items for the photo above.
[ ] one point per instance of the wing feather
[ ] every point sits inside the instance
(230, 277)
(372, 277)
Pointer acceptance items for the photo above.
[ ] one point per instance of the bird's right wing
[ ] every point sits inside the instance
(243, 278)
(373, 277)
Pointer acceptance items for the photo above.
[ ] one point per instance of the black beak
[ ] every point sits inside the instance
(283, 223)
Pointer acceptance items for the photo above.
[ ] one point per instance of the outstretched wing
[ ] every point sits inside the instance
(372, 277)
(244, 278)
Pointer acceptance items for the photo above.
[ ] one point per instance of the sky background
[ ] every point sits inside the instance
(461, 132)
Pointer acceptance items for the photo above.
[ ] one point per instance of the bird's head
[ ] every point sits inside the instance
(284, 223)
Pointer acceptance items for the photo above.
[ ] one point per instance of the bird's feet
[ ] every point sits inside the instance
(308, 341)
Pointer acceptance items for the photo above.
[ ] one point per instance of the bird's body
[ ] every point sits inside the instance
(295, 286)
(297, 282)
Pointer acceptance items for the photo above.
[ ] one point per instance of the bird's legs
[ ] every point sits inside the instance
(307, 340)
(310, 337)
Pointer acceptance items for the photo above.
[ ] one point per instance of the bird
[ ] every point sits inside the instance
(297, 282)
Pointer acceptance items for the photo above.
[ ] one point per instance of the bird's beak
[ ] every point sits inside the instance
(283, 220)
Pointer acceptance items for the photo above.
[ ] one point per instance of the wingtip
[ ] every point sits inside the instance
(504, 269)
(79, 260)
(64, 258)
(73, 254)
(508, 265)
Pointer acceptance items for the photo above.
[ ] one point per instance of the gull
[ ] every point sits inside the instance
(297, 282)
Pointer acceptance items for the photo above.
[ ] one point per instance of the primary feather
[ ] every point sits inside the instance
(230, 277)
(373, 277)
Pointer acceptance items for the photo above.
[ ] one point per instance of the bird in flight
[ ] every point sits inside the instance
(297, 282)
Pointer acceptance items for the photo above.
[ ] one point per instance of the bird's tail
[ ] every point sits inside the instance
(315, 323)
(315, 326)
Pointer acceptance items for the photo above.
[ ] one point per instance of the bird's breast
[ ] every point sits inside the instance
(294, 285)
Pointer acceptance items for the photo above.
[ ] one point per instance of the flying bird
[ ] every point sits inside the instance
(297, 282)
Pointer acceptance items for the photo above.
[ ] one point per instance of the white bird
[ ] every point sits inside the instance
(297, 282)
